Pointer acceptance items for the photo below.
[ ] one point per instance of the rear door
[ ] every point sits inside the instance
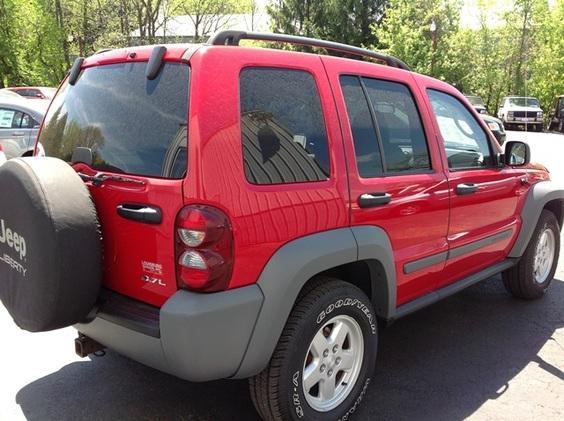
(128, 136)
(395, 171)
(483, 195)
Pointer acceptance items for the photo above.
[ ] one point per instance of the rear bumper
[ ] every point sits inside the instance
(200, 337)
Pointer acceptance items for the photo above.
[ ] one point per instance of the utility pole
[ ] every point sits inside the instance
(434, 38)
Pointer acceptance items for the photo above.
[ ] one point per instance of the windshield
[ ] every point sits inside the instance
(524, 102)
(131, 124)
(475, 100)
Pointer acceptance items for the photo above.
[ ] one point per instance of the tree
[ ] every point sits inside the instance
(208, 16)
(347, 21)
(547, 64)
(421, 34)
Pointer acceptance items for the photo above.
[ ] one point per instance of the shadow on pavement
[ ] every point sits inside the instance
(441, 363)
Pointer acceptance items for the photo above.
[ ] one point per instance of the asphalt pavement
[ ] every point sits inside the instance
(479, 355)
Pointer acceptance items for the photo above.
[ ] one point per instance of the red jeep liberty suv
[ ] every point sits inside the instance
(278, 205)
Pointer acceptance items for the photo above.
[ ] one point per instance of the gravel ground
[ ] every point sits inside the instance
(479, 355)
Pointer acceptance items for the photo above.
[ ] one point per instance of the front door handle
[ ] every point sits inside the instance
(466, 188)
(369, 200)
(18, 134)
(141, 213)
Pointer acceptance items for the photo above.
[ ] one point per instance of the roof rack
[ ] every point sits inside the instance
(234, 37)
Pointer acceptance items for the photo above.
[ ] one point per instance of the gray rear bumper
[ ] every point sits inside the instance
(202, 336)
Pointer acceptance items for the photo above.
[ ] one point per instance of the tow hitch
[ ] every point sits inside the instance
(84, 346)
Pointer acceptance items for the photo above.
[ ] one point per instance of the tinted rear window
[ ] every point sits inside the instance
(283, 131)
(132, 125)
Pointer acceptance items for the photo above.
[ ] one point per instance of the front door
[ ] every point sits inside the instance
(483, 195)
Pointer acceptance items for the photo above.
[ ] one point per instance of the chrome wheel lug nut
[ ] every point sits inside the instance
(335, 349)
(322, 368)
(338, 360)
(325, 353)
(330, 373)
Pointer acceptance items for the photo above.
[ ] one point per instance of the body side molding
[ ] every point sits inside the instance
(443, 256)
(419, 264)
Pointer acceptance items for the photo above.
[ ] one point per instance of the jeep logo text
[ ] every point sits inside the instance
(12, 239)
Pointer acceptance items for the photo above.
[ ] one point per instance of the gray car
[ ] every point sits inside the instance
(19, 123)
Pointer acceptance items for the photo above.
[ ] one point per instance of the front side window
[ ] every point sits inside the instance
(282, 127)
(466, 143)
(131, 124)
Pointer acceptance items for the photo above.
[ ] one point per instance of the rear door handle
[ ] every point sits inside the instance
(466, 188)
(369, 200)
(141, 213)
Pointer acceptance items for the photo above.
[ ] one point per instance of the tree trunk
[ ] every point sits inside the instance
(64, 39)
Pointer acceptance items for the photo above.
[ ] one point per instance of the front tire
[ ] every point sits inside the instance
(531, 277)
(325, 357)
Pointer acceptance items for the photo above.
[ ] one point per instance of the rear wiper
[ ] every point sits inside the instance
(99, 179)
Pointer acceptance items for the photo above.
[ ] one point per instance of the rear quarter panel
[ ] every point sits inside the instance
(263, 217)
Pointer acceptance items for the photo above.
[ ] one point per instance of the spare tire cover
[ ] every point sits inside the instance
(50, 245)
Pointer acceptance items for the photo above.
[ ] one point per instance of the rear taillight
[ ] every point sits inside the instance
(204, 248)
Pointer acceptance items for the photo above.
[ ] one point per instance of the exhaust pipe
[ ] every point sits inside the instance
(84, 346)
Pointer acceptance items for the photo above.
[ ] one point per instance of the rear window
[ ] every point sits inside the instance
(132, 125)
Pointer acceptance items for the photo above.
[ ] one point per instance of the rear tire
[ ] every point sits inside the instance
(531, 277)
(324, 359)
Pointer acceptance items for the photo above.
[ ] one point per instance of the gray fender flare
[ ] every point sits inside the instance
(537, 198)
(295, 263)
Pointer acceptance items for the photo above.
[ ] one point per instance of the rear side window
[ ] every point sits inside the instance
(386, 127)
(283, 131)
(367, 150)
(466, 144)
(11, 119)
(132, 125)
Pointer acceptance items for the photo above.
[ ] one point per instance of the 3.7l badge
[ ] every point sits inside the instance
(152, 280)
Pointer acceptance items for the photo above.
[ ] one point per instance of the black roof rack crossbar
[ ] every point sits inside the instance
(234, 37)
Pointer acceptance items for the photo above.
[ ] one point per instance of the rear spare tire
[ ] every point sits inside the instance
(50, 245)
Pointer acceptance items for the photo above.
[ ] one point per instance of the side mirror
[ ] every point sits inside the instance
(83, 155)
(517, 153)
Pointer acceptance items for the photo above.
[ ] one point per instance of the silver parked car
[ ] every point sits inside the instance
(19, 123)
(5, 93)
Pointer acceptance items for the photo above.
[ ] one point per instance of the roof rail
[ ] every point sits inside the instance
(231, 37)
